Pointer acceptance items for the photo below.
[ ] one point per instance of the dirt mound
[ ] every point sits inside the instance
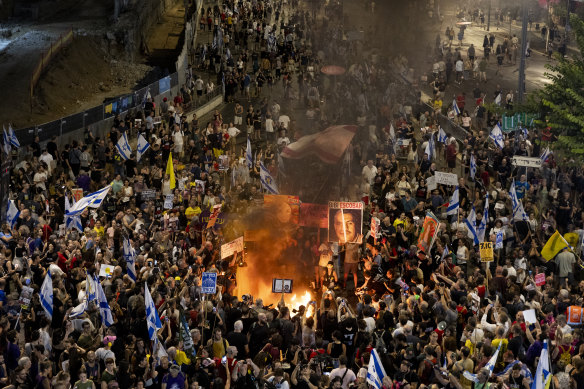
(81, 77)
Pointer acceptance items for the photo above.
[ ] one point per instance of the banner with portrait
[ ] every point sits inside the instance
(286, 208)
(345, 222)
(428, 233)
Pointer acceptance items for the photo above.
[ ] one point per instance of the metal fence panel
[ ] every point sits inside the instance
(94, 115)
(25, 135)
(73, 122)
(48, 130)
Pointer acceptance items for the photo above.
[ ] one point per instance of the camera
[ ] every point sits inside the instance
(247, 298)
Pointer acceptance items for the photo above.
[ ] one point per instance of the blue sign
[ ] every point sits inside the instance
(164, 84)
(209, 283)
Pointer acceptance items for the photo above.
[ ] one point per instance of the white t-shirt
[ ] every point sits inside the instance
(285, 120)
(339, 372)
(369, 173)
(269, 125)
(233, 132)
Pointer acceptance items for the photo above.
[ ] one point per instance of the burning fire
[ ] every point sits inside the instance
(305, 300)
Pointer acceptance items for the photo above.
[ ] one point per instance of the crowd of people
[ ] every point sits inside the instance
(429, 315)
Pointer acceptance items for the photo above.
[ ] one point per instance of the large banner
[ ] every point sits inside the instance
(235, 246)
(429, 230)
(287, 208)
(345, 222)
(313, 215)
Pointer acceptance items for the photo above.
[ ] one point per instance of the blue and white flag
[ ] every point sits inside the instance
(72, 221)
(152, 318)
(6, 146)
(46, 295)
(104, 309)
(431, 148)
(498, 99)
(92, 200)
(248, 154)
(473, 167)
(79, 309)
(455, 107)
(442, 137)
(542, 372)
(489, 366)
(12, 213)
(499, 240)
(497, 136)
(142, 146)
(375, 371)
(471, 224)
(524, 370)
(518, 211)
(130, 257)
(123, 147)
(13, 139)
(267, 180)
(90, 288)
(453, 204)
(445, 253)
(545, 155)
(482, 227)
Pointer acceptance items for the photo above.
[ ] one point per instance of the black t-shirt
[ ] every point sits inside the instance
(238, 340)
(130, 166)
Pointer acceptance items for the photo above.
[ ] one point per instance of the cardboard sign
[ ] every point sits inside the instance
(431, 183)
(280, 285)
(148, 194)
(486, 251)
(446, 178)
(209, 283)
(519, 160)
(25, 297)
(214, 215)
(77, 194)
(529, 316)
(106, 270)
(540, 279)
(168, 201)
(313, 215)
(235, 246)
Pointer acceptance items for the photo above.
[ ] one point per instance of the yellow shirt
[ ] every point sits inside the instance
(220, 348)
(495, 345)
(190, 212)
(181, 358)
(100, 231)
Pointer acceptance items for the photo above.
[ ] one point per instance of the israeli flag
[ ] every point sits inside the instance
(453, 204)
(143, 145)
(248, 154)
(499, 240)
(12, 213)
(90, 288)
(104, 309)
(123, 147)
(267, 180)
(497, 136)
(545, 155)
(518, 211)
(431, 148)
(455, 107)
(445, 253)
(72, 221)
(92, 200)
(375, 371)
(489, 366)
(481, 228)
(13, 139)
(498, 99)
(130, 257)
(7, 146)
(152, 318)
(524, 370)
(471, 224)
(79, 309)
(473, 166)
(542, 373)
(442, 137)
(46, 295)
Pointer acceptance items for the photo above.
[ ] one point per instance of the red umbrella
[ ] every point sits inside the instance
(333, 70)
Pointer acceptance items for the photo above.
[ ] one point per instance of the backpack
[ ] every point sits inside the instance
(379, 342)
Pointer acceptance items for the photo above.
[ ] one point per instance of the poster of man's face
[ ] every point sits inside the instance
(345, 221)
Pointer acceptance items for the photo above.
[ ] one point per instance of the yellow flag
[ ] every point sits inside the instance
(554, 245)
(170, 171)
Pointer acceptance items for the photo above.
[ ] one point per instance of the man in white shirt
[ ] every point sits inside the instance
(284, 120)
(47, 159)
(346, 374)
(232, 131)
(369, 172)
